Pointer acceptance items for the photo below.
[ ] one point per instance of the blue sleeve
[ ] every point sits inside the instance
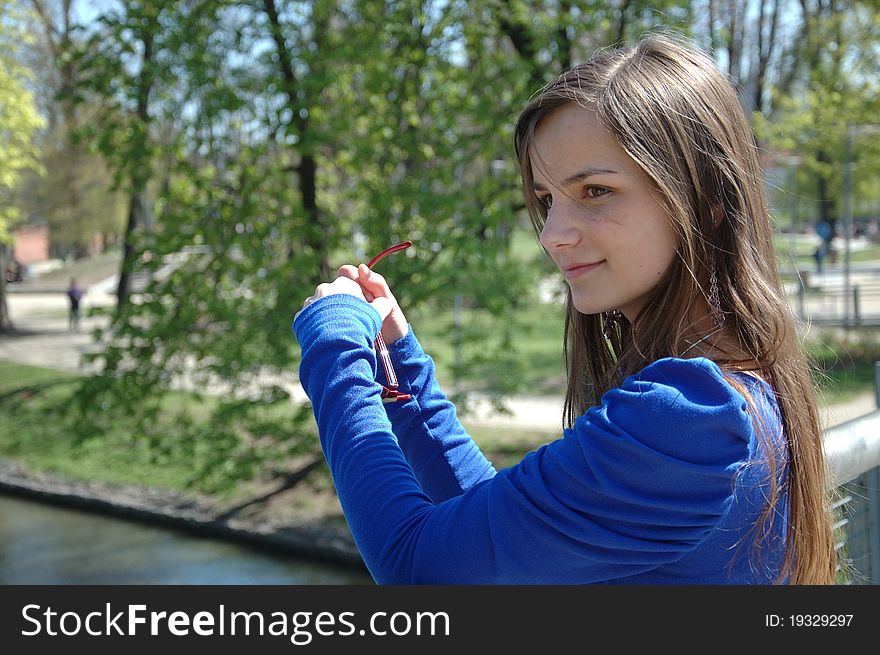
(638, 481)
(445, 459)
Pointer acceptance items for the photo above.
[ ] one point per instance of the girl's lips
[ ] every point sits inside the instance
(577, 271)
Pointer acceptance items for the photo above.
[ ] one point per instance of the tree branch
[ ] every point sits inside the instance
(288, 481)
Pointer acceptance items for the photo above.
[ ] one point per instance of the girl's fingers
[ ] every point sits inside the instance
(371, 285)
(348, 271)
(372, 280)
(353, 273)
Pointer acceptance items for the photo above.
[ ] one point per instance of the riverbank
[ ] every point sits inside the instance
(320, 534)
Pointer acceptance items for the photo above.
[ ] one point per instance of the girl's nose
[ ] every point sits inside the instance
(559, 229)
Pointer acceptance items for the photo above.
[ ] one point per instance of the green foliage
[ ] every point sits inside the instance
(843, 364)
(834, 95)
(19, 119)
(74, 195)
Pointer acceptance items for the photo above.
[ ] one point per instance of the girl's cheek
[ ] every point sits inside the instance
(600, 214)
(593, 215)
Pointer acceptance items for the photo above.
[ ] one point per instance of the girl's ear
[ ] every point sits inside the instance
(717, 215)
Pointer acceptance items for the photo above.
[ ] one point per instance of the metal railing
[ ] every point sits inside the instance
(853, 453)
(836, 305)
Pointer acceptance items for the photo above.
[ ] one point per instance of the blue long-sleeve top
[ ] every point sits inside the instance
(663, 482)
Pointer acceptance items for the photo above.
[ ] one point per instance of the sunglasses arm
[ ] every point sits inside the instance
(390, 394)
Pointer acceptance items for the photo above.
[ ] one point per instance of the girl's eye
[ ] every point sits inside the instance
(545, 201)
(595, 191)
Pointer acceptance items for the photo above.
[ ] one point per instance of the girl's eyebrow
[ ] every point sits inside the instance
(579, 177)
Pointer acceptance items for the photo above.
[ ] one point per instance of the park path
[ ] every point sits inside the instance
(43, 337)
(46, 341)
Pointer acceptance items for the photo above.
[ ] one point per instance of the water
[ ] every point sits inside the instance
(44, 544)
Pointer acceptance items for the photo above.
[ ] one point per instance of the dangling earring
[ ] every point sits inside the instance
(612, 322)
(714, 298)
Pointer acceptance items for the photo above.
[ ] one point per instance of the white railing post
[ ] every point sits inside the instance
(872, 487)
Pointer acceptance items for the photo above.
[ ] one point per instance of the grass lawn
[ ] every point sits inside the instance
(35, 430)
(796, 251)
(89, 270)
(843, 371)
(536, 342)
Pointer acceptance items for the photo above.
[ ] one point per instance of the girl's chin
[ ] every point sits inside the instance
(585, 307)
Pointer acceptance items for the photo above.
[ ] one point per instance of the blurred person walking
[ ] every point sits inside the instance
(74, 295)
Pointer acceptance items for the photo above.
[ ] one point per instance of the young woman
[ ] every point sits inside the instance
(692, 451)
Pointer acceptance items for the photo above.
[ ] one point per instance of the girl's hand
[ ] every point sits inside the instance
(375, 289)
(346, 284)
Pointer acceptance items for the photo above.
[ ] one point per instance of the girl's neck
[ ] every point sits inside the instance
(722, 347)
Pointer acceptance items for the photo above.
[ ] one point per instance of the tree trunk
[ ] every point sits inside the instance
(524, 42)
(135, 210)
(137, 202)
(563, 42)
(827, 205)
(5, 321)
(316, 232)
(58, 38)
(622, 22)
(765, 52)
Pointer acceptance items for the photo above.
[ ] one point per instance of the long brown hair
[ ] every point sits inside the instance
(679, 118)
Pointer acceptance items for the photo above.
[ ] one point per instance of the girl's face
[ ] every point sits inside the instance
(605, 229)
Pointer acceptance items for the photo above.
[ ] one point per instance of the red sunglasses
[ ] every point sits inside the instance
(390, 394)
